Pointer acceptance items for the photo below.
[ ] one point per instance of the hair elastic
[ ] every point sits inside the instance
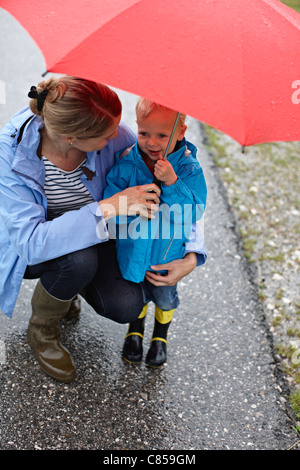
(40, 97)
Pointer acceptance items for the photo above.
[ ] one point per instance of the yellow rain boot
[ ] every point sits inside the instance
(157, 354)
(133, 344)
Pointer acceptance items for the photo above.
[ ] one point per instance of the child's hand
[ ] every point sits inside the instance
(163, 171)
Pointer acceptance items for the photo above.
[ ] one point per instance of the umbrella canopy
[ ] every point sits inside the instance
(233, 64)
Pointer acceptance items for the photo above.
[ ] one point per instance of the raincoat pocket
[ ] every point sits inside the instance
(164, 251)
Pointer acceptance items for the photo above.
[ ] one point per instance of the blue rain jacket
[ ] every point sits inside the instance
(26, 237)
(142, 243)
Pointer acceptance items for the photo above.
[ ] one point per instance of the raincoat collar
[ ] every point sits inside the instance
(181, 147)
(27, 160)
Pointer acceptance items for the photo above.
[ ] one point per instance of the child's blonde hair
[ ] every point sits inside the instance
(144, 107)
(77, 107)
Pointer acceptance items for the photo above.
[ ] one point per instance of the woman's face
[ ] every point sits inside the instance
(97, 143)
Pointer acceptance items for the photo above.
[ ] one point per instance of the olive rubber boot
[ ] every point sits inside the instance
(44, 335)
(74, 310)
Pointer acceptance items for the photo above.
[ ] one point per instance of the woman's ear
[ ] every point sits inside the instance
(67, 139)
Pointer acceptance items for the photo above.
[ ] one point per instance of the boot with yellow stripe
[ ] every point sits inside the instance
(133, 344)
(157, 354)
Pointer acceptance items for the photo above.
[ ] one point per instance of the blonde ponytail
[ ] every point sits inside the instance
(75, 107)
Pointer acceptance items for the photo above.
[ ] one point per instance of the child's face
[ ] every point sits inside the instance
(154, 133)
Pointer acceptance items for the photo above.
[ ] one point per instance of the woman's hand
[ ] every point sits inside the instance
(137, 200)
(177, 270)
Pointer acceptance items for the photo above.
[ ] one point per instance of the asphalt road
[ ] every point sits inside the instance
(220, 388)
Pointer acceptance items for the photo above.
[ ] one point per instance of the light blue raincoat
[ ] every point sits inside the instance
(26, 237)
(142, 243)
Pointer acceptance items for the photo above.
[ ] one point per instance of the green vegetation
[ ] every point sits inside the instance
(295, 402)
(295, 4)
(263, 189)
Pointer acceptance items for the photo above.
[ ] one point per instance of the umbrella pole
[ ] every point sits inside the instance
(156, 181)
(171, 137)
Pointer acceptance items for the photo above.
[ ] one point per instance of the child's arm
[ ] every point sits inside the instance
(187, 187)
(118, 179)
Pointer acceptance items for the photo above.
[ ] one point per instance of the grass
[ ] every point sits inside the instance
(295, 4)
(261, 215)
(295, 398)
(262, 187)
(295, 402)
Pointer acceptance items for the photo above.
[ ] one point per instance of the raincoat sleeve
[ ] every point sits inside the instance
(190, 191)
(117, 179)
(196, 242)
(24, 219)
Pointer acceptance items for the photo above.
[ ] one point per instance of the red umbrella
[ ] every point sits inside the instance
(233, 64)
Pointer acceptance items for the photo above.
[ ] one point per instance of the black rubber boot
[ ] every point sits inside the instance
(133, 344)
(157, 354)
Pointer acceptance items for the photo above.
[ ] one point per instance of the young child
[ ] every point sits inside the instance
(143, 243)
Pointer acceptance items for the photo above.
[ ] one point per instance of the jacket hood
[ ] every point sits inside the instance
(26, 143)
(27, 137)
(182, 147)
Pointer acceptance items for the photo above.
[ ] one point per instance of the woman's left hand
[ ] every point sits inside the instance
(177, 270)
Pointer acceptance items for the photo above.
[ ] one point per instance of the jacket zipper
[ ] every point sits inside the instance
(167, 249)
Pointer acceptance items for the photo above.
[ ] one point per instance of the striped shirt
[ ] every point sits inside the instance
(64, 189)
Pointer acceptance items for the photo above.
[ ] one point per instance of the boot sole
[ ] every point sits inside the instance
(55, 377)
(69, 379)
(130, 361)
(154, 366)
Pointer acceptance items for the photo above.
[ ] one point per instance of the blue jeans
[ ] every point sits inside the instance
(96, 270)
(164, 297)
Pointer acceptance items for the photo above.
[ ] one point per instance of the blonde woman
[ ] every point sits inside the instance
(54, 157)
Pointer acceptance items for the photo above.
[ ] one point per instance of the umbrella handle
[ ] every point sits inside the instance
(157, 182)
(171, 137)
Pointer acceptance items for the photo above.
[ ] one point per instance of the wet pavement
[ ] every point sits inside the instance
(220, 389)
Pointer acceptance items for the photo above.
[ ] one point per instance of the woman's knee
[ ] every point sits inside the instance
(82, 264)
(118, 306)
(125, 312)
